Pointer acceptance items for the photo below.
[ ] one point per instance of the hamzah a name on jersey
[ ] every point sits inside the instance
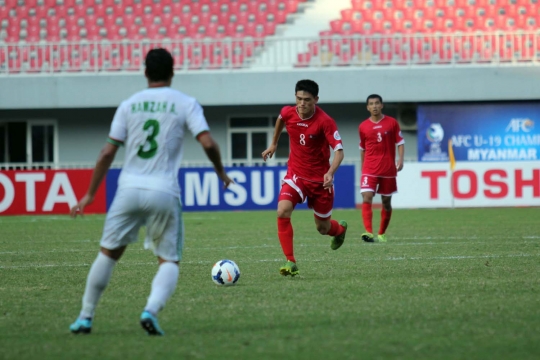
(153, 107)
(501, 154)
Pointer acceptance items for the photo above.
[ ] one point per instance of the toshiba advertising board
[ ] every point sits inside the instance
(482, 184)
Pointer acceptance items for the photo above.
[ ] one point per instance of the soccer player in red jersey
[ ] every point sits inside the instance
(379, 135)
(309, 172)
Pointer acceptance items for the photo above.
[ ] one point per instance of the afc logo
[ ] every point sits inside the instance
(517, 125)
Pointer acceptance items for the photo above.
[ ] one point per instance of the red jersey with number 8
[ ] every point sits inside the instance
(379, 140)
(309, 140)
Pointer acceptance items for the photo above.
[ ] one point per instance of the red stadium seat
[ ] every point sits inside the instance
(303, 59)
(52, 20)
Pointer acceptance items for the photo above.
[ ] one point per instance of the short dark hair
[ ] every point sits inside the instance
(159, 65)
(309, 86)
(374, 96)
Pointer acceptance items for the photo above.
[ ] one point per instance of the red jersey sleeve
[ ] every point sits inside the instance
(399, 137)
(331, 134)
(284, 113)
(361, 135)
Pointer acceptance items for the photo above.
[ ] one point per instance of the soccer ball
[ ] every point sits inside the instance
(225, 272)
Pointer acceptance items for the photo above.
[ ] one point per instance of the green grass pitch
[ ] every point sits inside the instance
(449, 284)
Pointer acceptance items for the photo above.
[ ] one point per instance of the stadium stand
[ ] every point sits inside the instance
(386, 32)
(112, 35)
(75, 35)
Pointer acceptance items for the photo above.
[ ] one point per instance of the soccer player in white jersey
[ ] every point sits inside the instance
(151, 125)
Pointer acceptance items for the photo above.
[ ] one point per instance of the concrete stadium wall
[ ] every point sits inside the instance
(82, 132)
(239, 87)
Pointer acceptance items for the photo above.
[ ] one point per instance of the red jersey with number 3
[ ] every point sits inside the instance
(309, 140)
(379, 141)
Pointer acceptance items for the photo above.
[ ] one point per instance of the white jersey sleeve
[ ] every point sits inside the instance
(196, 122)
(118, 127)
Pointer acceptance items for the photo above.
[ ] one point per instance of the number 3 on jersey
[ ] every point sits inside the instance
(379, 137)
(150, 139)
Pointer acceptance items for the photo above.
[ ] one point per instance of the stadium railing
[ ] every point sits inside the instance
(185, 164)
(274, 53)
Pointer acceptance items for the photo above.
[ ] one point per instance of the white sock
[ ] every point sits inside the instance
(163, 287)
(96, 282)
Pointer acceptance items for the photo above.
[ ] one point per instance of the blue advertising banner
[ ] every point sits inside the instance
(487, 132)
(256, 188)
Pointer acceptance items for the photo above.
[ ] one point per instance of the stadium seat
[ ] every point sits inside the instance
(375, 18)
(31, 21)
(304, 59)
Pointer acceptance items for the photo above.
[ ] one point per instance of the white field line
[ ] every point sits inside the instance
(32, 219)
(194, 248)
(300, 238)
(128, 264)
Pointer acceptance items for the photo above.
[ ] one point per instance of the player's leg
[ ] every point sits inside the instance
(367, 215)
(288, 198)
(368, 185)
(121, 228)
(387, 187)
(97, 280)
(286, 236)
(163, 287)
(322, 203)
(165, 235)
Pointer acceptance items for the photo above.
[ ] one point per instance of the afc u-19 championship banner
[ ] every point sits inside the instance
(479, 132)
(37, 192)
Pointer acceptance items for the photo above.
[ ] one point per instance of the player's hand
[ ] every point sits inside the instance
(399, 165)
(268, 153)
(227, 181)
(328, 181)
(79, 208)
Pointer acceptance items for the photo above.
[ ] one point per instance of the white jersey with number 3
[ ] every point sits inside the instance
(151, 124)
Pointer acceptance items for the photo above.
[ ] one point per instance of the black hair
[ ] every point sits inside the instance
(159, 65)
(309, 86)
(374, 96)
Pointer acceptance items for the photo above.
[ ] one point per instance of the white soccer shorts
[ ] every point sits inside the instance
(160, 212)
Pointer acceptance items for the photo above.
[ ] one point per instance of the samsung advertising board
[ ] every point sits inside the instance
(255, 188)
(479, 132)
(56, 191)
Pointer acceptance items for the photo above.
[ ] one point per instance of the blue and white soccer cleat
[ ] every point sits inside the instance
(150, 324)
(81, 326)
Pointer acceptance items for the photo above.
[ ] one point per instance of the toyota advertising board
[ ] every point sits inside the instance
(255, 188)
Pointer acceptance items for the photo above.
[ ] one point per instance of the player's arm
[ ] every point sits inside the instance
(362, 148)
(198, 126)
(211, 148)
(269, 152)
(401, 156)
(400, 142)
(103, 163)
(329, 176)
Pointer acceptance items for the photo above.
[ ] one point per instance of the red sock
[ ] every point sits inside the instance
(285, 234)
(385, 220)
(367, 215)
(335, 228)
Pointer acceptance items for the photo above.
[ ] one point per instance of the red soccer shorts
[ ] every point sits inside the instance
(386, 186)
(319, 199)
